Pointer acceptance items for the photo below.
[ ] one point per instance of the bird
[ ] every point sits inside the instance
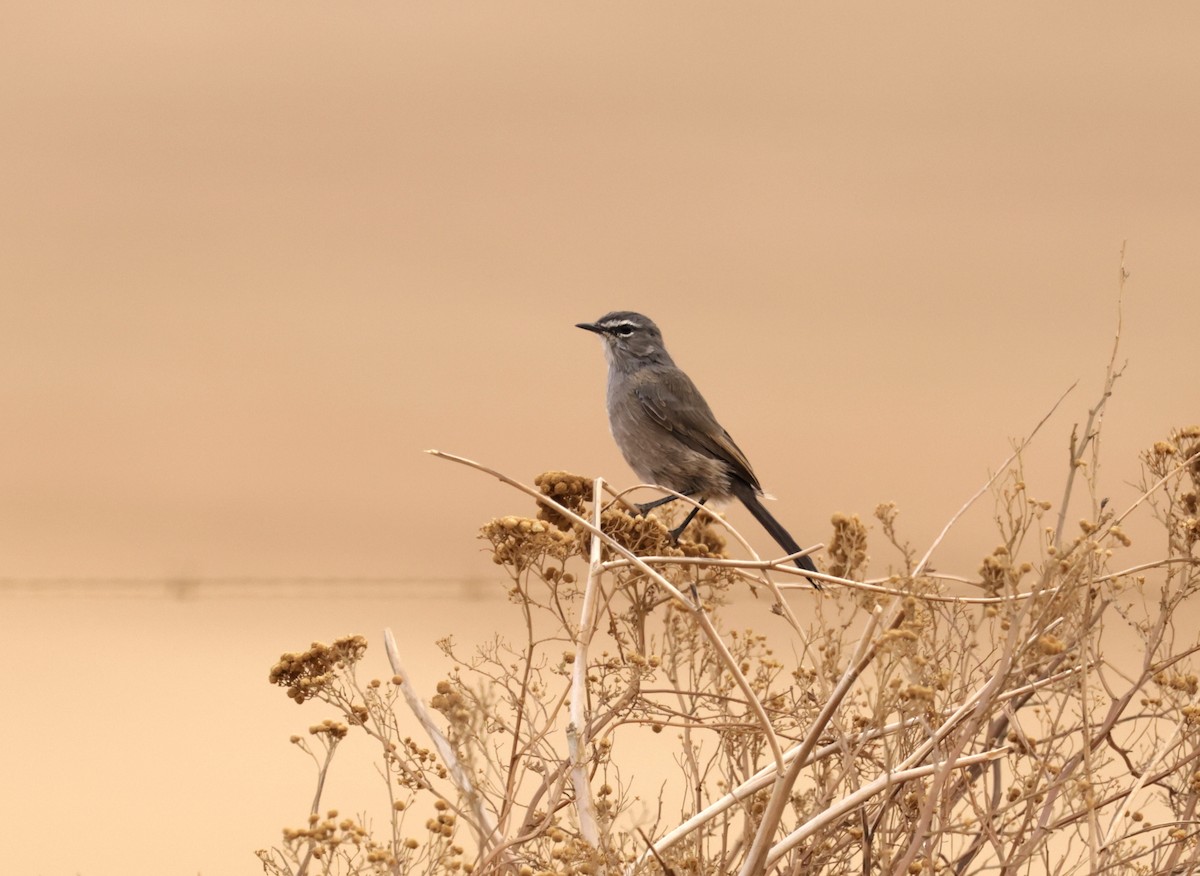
(667, 432)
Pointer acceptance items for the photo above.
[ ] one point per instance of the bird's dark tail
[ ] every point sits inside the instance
(749, 497)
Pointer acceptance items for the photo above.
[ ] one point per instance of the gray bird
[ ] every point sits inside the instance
(666, 430)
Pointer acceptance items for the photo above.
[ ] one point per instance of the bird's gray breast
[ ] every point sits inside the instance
(630, 429)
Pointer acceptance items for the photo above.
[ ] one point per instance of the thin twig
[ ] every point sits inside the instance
(486, 824)
(971, 501)
(888, 780)
(577, 739)
(863, 654)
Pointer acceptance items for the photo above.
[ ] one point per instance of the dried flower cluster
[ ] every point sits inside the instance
(1180, 510)
(309, 673)
(848, 547)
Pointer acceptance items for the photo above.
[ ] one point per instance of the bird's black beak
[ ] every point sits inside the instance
(590, 327)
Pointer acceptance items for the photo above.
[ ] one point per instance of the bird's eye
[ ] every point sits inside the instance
(624, 330)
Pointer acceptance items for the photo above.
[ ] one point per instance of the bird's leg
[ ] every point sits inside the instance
(645, 509)
(678, 530)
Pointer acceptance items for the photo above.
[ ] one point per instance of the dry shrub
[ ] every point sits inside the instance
(917, 722)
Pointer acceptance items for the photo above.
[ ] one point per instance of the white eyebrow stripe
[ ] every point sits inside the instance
(613, 325)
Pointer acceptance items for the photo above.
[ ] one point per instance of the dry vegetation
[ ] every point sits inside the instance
(917, 722)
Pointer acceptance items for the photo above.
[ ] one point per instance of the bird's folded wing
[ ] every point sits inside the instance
(692, 423)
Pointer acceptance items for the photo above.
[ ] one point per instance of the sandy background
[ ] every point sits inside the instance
(256, 257)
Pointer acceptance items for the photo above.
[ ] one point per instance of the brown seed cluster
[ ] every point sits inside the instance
(1050, 644)
(569, 490)
(1162, 462)
(706, 540)
(997, 572)
(450, 701)
(443, 823)
(307, 674)
(639, 535)
(1181, 446)
(328, 837)
(419, 753)
(332, 729)
(848, 547)
(1187, 683)
(521, 541)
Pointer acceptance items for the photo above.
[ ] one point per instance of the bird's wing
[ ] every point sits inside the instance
(691, 422)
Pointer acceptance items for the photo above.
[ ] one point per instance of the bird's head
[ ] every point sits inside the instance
(629, 338)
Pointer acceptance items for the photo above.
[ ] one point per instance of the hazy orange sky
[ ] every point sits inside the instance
(256, 257)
